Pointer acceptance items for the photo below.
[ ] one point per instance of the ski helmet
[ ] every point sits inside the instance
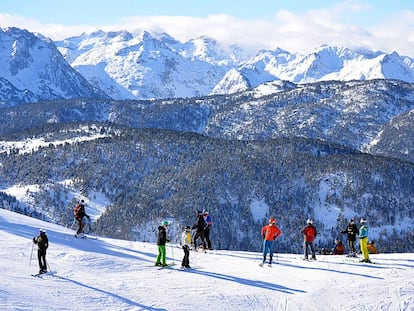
(309, 221)
(164, 223)
(363, 220)
(188, 229)
(272, 221)
(42, 231)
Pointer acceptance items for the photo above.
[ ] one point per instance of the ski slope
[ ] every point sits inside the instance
(107, 274)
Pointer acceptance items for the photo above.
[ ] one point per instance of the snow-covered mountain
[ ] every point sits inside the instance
(143, 66)
(32, 69)
(321, 64)
(147, 66)
(109, 274)
(123, 65)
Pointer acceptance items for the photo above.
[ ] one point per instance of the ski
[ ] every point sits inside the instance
(84, 237)
(357, 260)
(39, 275)
(164, 267)
(188, 269)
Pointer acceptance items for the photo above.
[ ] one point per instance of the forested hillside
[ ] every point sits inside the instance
(151, 174)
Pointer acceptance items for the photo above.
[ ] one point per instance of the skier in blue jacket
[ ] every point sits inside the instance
(363, 235)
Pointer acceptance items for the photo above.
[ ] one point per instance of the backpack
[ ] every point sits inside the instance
(76, 210)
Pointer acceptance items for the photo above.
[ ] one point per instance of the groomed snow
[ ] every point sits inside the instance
(107, 274)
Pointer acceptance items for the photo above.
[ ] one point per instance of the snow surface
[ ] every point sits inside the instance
(108, 274)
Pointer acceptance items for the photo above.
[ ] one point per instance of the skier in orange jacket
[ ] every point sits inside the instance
(269, 232)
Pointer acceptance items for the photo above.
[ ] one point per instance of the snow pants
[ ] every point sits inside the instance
(186, 258)
(364, 249)
(268, 248)
(41, 256)
(307, 246)
(351, 246)
(162, 255)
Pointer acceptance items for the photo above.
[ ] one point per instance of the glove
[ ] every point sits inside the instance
(34, 240)
(263, 236)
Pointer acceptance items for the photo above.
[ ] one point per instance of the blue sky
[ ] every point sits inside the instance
(291, 25)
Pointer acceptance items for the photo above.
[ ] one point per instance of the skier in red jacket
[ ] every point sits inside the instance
(269, 232)
(309, 234)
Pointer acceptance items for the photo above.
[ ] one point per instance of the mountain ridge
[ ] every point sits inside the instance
(121, 65)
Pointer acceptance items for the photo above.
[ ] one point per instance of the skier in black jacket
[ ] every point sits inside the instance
(199, 227)
(352, 232)
(42, 243)
(161, 240)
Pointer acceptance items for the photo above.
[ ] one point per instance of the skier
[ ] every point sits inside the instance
(371, 247)
(42, 243)
(309, 234)
(208, 223)
(185, 243)
(351, 231)
(80, 213)
(339, 248)
(161, 240)
(270, 233)
(363, 235)
(199, 226)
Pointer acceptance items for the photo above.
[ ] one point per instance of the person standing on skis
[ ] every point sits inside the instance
(207, 227)
(270, 233)
(199, 227)
(80, 213)
(363, 235)
(309, 234)
(42, 244)
(161, 240)
(185, 243)
(351, 232)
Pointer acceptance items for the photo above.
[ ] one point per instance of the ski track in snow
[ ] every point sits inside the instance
(108, 274)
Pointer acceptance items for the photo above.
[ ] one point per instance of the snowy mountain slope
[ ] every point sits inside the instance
(144, 66)
(396, 138)
(349, 113)
(108, 274)
(321, 64)
(33, 66)
(201, 66)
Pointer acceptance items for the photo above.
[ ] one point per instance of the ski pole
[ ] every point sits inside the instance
(48, 266)
(172, 253)
(277, 253)
(260, 249)
(31, 255)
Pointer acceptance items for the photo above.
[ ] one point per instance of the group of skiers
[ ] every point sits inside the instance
(271, 232)
(201, 231)
(42, 240)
